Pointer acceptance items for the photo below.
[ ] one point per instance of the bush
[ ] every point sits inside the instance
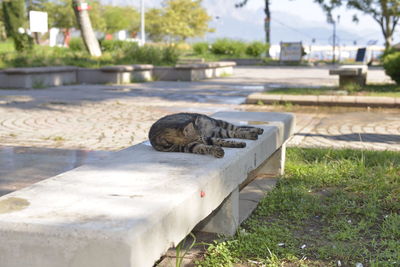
(115, 45)
(151, 55)
(387, 52)
(255, 49)
(201, 48)
(76, 44)
(170, 55)
(228, 47)
(391, 64)
(61, 56)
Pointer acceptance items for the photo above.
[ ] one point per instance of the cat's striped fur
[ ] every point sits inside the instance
(198, 133)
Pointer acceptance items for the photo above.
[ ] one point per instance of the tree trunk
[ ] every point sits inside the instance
(85, 26)
(267, 26)
(14, 20)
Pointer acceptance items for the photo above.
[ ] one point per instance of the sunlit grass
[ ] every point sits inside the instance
(332, 207)
(392, 90)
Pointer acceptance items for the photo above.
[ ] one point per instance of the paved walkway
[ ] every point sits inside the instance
(48, 131)
(113, 117)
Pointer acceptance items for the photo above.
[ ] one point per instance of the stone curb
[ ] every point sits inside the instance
(326, 100)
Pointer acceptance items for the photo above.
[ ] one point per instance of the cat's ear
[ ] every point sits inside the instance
(189, 130)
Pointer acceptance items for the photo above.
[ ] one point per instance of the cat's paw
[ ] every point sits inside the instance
(241, 144)
(252, 136)
(218, 152)
(260, 131)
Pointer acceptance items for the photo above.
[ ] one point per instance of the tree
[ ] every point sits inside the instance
(119, 18)
(85, 25)
(267, 21)
(61, 15)
(15, 21)
(178, 20)
(385, 12)
(154, 24)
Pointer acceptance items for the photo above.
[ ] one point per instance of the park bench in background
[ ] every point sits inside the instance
(353, 74)
(118, 74)
(128, 209)
(39, 77)
(194, 72)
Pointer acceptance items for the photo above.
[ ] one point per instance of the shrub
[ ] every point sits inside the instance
(76, 44)
(255, 49)
(201, 48)
(151, 55)
(170, 55)
(115, 45)
(228, 47)
(391, 64)
(387, 52)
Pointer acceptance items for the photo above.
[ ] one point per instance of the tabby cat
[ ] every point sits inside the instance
(198, 133)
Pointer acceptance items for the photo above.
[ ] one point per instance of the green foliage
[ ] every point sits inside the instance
(177, 21)
(129, 53)
(390, 90)
(256, 49)
(14, 19)
(119, 18)
(61, 14)
(76, 44)
(151, 55)
(115, 45)
(229, 47)
(332, 205)
(387, 52)
(391, 64)
(201, 48)
(219, 254)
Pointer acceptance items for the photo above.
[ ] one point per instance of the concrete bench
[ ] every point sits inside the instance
(351, 74)
(38, 77)
(118, 74)
(194, 72)
(127, 210)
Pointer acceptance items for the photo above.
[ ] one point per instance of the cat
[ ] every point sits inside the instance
(198, 133)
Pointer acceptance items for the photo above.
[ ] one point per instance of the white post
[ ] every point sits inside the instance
(142, 33)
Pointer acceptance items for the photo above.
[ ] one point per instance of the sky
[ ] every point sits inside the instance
(297, 20)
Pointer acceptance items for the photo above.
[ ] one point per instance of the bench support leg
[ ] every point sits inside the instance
(345, 80)
(275, 165)
(225, 219)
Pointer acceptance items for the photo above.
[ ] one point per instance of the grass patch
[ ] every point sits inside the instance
(392, 90)
(332, 206)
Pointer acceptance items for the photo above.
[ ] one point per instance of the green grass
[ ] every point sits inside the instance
(6, 47)
(368, 90)
(331, 206)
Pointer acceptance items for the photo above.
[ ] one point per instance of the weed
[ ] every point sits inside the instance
(38, 84)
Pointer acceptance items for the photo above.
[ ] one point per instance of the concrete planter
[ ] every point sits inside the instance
(41, 77)
(119, 74)
(193, 72)
(37, 77)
